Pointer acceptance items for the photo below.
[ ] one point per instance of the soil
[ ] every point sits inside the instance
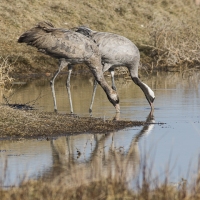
(15, 123)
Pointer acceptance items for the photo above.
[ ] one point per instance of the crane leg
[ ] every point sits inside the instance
(68, 88)
(93, 95)
(53, 89)
(112, 72)
(62, 64)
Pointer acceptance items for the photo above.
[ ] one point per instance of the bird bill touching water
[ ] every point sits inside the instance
(117, 51)
(69, 48)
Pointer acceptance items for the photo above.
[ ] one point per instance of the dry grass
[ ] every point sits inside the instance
(174, 43)
(167, 34)
(178, 21)
(5, 69)
(105, 189)
(72, 186)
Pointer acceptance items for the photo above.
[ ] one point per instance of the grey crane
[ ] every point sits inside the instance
(117, 51)
(70, 48)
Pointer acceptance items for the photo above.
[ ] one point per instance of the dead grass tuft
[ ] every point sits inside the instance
(174, 43)
(6, 68)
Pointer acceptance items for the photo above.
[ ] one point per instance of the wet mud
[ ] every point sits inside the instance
(15, 123)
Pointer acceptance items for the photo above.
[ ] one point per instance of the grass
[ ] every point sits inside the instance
(75, 183)
(166, 32)
(5, 70)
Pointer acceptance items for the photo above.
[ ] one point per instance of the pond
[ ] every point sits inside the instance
(170, 149)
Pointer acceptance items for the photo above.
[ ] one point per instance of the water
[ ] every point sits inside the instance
(171, 148)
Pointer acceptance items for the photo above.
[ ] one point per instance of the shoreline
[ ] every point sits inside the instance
(16, 124)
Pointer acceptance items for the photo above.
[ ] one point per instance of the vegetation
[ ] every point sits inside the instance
(167, 32)
(5, 70)
(72, 185)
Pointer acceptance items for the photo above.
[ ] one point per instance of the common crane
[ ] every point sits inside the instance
(117, 51)
(69, 48)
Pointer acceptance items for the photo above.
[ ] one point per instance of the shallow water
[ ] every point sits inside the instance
(172, 148)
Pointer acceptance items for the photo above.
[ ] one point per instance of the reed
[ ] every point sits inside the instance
(78, 186)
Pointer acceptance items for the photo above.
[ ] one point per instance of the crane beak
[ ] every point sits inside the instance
(152, 107)
(117, 107)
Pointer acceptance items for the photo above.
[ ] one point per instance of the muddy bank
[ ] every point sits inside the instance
(16, 123)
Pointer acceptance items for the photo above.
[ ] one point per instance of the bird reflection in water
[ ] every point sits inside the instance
(108, 157)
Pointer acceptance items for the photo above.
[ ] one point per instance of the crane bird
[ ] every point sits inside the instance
(69, 48)
(116, 51)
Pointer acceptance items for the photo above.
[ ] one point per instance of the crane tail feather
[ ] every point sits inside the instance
(30, 35)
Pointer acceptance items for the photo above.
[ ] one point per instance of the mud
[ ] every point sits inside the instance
(16, 123)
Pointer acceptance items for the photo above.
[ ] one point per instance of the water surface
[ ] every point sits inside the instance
(172, 148)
